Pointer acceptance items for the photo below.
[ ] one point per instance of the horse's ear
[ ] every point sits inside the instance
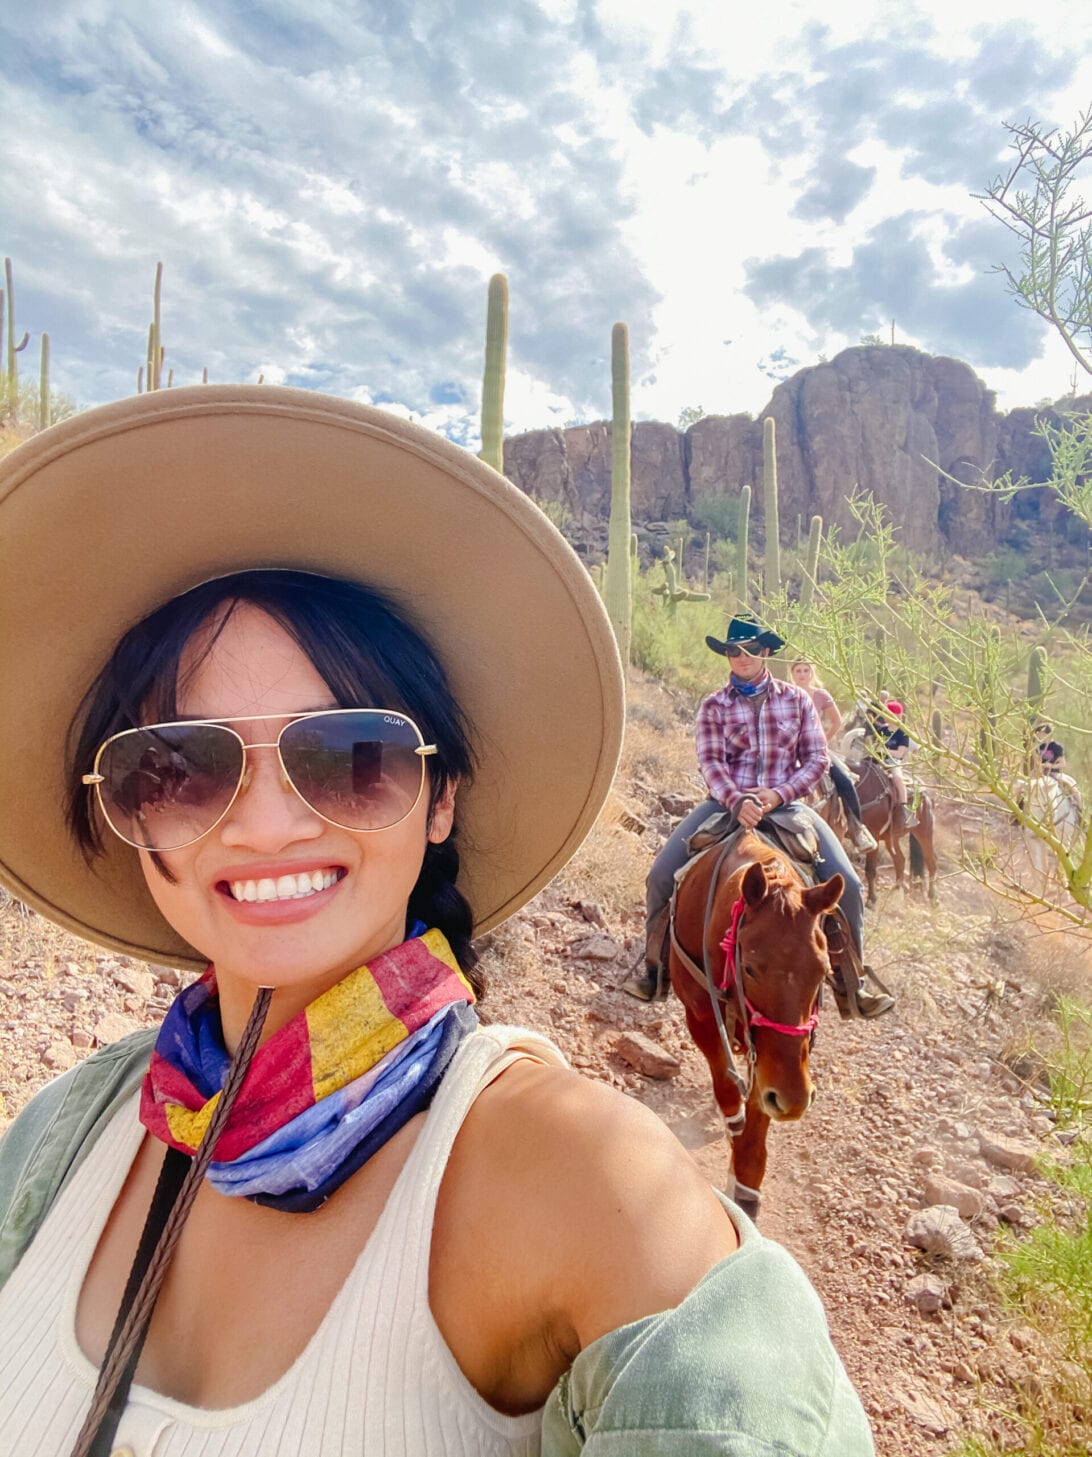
(818, 899)
(754, 885)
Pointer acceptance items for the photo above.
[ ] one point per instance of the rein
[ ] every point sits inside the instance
(733, 971)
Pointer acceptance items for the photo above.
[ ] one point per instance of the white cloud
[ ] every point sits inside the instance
(332, 199)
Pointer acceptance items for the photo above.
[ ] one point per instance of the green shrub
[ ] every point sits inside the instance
(1005, 565)
(558, 512)
(719, 515)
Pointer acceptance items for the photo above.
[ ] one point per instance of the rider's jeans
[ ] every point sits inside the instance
(832, 857)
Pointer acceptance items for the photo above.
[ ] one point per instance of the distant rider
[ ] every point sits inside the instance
(805, 676)
(893, 747)
(1051, 754)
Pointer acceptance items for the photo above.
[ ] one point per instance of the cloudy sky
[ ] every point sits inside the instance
(330, 184)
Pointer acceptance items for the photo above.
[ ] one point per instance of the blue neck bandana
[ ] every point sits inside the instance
(748, 690)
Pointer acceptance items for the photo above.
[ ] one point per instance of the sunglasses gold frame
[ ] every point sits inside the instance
(96, 780)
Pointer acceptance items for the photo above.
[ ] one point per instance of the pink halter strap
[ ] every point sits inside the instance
(757, 1019)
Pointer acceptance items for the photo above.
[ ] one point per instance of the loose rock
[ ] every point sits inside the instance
(941, 1190)
(591, 912)
(646, 1056)
(927, 1292)
(112, 1027)
(59, 1056)
(1008, 1153)
(940, 1231)
(594, 948)
(923, 1410)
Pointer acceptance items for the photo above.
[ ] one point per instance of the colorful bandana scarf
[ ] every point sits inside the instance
(327, 1090)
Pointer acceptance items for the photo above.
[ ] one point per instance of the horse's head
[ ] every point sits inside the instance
(783, 956)
(849, 742)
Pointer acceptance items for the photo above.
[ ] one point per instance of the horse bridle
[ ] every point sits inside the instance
(748, 1016)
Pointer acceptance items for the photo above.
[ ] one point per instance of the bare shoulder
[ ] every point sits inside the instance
(608, 1205)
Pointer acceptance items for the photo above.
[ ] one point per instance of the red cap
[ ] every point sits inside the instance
(894, 707)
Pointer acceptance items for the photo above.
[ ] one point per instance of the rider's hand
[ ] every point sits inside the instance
(749, 814)
(770, 798)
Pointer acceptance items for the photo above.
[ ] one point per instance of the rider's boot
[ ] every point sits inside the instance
(905, 819)
(869, 1004)
(864, 1003)
(653, 983)
(859, 836)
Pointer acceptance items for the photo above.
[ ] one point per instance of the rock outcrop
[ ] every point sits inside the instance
(888, 420)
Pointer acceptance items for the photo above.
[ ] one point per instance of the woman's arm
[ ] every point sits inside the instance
(601, 1250)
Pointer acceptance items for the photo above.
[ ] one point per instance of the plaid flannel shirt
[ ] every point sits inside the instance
(781, 747)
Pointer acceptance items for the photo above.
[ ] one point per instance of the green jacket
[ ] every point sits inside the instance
(744, 1367)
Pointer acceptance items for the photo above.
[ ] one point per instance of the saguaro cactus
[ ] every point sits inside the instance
(43, 387)
(496, 350)
(811, 561)
(743, 530)
(156, 377)
(1037, 673)
(769, 499)
(618, 586)
(12, 348)
(150, 375)
(670, 589)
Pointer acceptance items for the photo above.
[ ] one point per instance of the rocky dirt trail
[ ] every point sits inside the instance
(926, 1125)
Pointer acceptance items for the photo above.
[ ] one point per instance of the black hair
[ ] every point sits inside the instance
(365, 651)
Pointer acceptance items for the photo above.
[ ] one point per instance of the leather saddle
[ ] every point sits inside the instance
(787, 828)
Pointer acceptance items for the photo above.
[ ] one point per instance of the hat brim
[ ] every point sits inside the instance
(117, 510)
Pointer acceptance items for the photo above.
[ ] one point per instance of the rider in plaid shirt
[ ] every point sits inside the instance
(760, 744)
(782, 745)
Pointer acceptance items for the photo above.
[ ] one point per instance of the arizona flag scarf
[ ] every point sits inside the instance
(324, 1092)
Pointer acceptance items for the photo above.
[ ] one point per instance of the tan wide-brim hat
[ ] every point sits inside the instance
(110, 514)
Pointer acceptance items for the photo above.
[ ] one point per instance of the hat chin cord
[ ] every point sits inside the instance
(169, 1211)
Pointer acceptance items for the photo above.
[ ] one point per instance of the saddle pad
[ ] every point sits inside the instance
(787, 828)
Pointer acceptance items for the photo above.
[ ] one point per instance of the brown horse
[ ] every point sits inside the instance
(878, 813)
(747, 957)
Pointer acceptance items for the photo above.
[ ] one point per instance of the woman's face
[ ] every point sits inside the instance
(801, 673)
(300, 946)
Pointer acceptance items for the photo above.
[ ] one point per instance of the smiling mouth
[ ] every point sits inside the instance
(284, 887)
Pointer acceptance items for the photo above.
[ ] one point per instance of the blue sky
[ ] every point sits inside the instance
(330, 186)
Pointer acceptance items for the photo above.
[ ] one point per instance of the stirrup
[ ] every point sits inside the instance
(652, 985)
(644, 988)
(865, 1004)
(861, 837)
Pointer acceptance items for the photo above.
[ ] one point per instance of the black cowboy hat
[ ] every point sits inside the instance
(746, 632)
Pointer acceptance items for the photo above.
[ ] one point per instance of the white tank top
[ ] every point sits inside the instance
(376, 1378)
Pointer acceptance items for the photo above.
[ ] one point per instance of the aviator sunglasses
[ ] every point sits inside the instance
(164, 786)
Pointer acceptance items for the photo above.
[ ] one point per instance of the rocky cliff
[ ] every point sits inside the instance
(886, 419)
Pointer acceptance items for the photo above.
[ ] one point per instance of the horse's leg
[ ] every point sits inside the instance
(870, 862)
(898, 859)
(929, 855)
(749, 1158)
(703, 1030)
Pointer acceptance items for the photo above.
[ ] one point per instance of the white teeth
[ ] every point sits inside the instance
(286, 887)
